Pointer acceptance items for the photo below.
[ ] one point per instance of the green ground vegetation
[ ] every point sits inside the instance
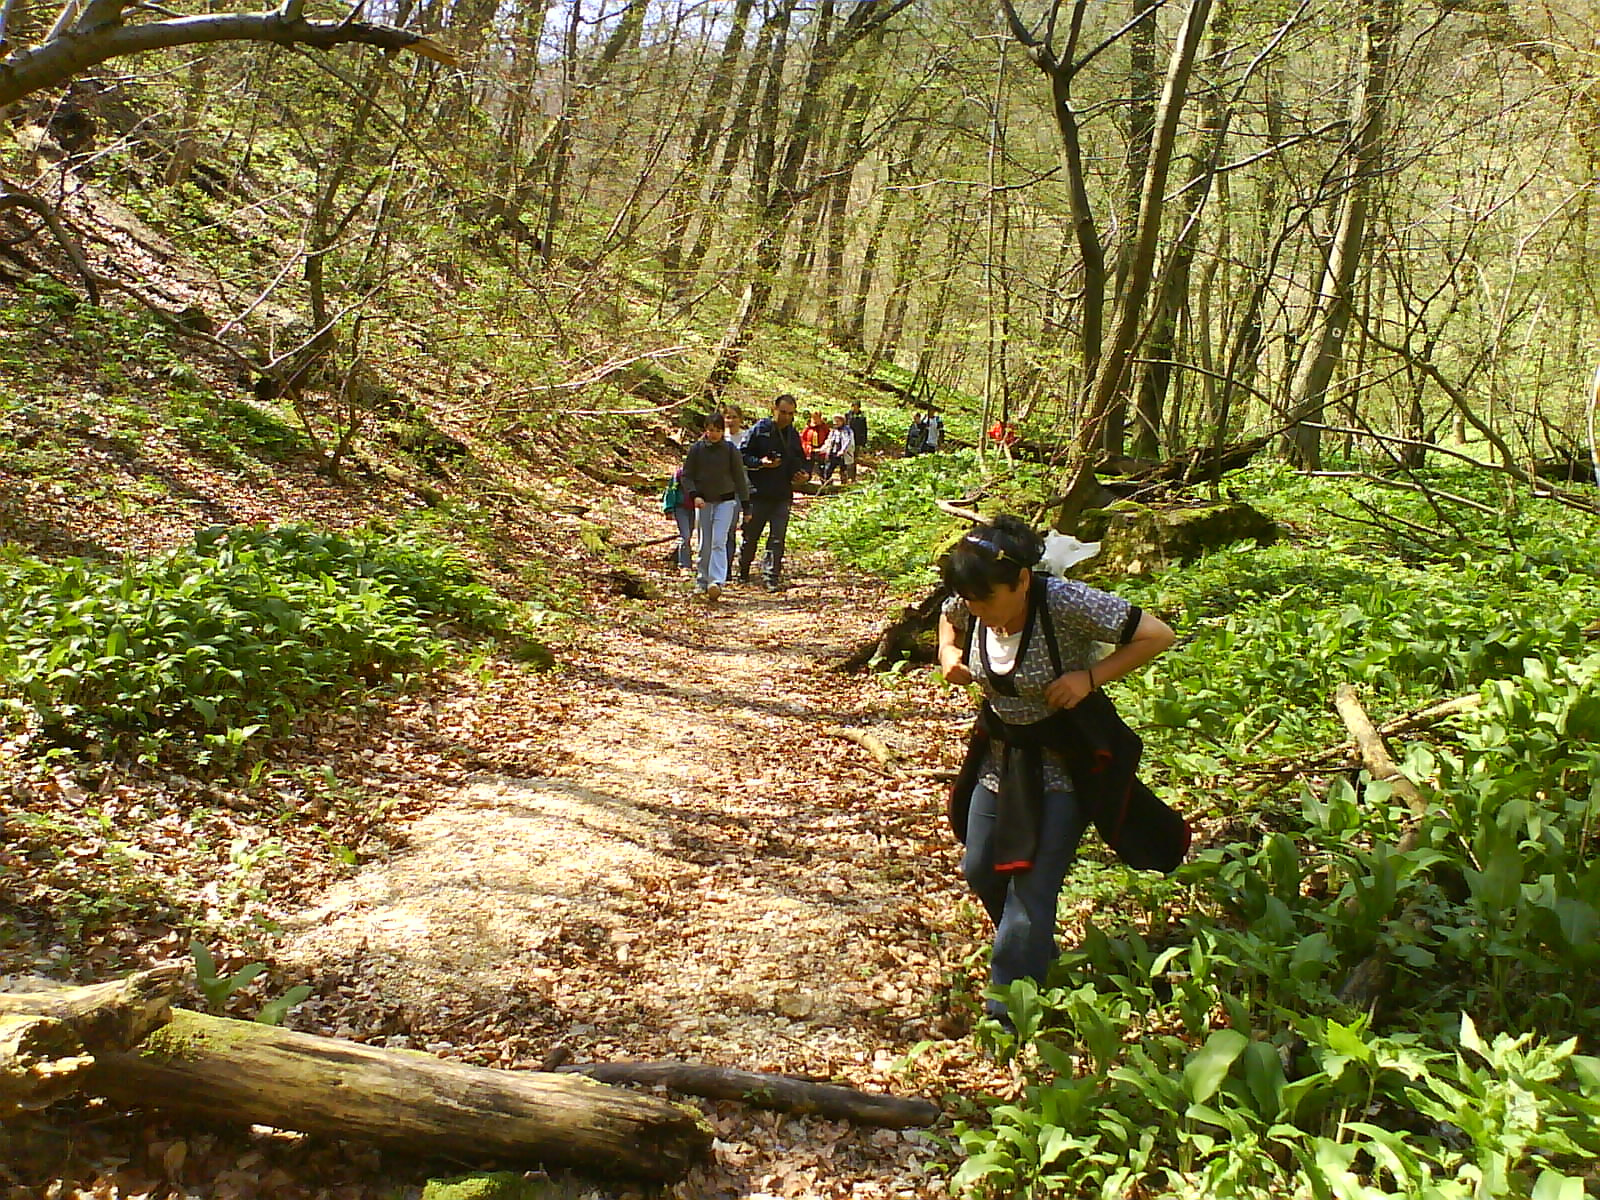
(1198, 1041)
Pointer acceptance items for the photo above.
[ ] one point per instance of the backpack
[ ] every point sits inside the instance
(673, 496)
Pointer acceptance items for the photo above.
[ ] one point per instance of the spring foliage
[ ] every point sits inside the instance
(233, 636)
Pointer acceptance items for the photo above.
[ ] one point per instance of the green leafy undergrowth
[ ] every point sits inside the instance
(1202, 1041)
(1215, 1054)
(237, 635)
(890, 526)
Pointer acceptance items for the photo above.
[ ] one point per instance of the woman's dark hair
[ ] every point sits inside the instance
(991, 556)
(714, 420)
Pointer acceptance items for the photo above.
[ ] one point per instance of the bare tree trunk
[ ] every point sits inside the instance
(702, 143)
(1115, 362)
(1141, 132)
(776, 176)
(887, 345)
(771, 49)
(624, 36)
(1174, 292)
(857, 102)
(1331, 308)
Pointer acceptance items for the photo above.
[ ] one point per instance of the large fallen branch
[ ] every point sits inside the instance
(51, 1036)
(782, 1092)
(1375, 757)
(1348, 754)
(218, 1069)
(1370, 978)
(99, 34)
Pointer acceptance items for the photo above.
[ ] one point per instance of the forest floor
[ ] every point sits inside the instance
(664, 849)
(707, 872)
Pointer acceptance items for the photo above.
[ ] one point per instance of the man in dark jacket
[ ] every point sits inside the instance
(857, 420)
(775, 463)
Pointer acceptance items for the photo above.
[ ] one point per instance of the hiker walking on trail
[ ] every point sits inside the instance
(812, 437)
(678, 506)
(839, 450)
(857, 420)
(917, 434)
(715, 482)
(1048, 753)
(773, 456)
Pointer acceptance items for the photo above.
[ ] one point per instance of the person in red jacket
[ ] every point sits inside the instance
(811, 439)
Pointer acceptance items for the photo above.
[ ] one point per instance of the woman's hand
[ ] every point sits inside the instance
(952, 654)
(1152, 636)
(699, 501)
(954, 672)
(1070, 690)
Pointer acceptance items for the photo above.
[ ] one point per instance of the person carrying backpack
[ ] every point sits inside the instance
(776, 462)
(677, 506)
(917, 434)
(1048, 754)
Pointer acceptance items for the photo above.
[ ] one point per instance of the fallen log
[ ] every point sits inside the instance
(217, 1069)
(1370, 978)
(785, 1093)
(51, 1034)
(899, 637)
(1348, 754)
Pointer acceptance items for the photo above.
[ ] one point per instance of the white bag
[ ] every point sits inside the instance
(1062, 551)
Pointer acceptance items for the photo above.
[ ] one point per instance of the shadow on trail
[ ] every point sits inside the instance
(701, 697)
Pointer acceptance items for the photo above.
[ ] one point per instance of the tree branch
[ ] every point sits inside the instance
(60, 58)
(65, 240)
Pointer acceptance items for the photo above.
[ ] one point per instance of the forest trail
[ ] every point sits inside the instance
(708, 874)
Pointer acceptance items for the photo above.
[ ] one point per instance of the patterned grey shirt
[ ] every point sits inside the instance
(1081, 616)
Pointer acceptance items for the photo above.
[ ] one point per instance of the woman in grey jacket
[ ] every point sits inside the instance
(714, 481)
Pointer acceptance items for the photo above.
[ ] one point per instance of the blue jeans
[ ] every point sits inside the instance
(773, 515)
(685, 518)
(712, 526)
(1022, 904)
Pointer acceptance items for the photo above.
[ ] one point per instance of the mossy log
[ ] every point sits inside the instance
(785, 1093)
(1136, 539)
(217, 1069)
(51, 1035)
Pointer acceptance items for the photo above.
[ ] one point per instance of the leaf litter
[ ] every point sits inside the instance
(660, 850)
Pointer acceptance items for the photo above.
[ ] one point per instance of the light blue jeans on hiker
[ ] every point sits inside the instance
(712, 527)
(1022, 904)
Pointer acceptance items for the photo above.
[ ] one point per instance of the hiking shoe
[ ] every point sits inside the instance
(714, 593)
(773, 585)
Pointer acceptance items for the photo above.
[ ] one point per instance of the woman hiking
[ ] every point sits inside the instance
(1048, 753)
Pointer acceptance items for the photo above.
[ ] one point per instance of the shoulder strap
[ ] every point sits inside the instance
(1040, 584)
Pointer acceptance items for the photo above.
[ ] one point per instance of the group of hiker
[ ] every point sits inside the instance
(737, 484)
